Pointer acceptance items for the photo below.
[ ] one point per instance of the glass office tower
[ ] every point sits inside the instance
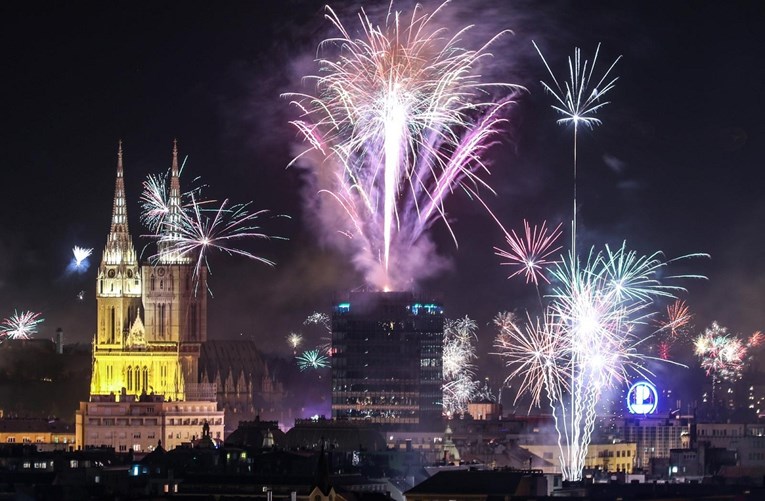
(386, 360)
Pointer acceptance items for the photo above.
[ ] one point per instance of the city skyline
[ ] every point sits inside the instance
(674, 167)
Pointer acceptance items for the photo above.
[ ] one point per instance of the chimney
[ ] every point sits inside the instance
(59, 341)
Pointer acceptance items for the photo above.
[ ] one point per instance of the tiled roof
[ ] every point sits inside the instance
(235, 356)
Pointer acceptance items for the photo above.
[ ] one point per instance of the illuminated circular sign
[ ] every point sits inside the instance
(642, 398)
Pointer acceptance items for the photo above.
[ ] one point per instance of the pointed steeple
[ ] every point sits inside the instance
(173, 218)
(119, 246)
(175, 185)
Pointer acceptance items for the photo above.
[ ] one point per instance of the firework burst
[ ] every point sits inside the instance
(578, 100)
(458, 365)
(531, 253)
(20, 325)
(80, 255)
(586, 340)
(312, 359)
(673, 328)
(155, 203)
(398, 121)
(722, 355)
(294, 340)
(188, 229)
(323, 320)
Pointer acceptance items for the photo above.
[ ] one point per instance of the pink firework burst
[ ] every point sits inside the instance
(20, 325)
(530, 253)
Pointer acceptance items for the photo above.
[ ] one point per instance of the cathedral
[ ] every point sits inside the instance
(151, 324)
(151, 356)
(152, 318)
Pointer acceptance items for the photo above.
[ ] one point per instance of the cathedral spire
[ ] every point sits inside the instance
(119, 246)
(174, 216)
(175, 184)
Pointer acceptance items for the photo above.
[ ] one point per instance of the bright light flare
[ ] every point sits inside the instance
(294, 339)
(80, 254)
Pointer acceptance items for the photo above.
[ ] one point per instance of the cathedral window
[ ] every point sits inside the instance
(162, 284)
(161, 320)
(152, 282)
(130, 379)
(113, 330)
(137, 380)
(145, 379)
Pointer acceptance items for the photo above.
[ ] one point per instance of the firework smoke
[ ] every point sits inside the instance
(398, 119)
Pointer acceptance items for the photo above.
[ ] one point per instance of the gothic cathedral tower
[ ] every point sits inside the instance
(174, 290)
(118, 287)
(125, 360)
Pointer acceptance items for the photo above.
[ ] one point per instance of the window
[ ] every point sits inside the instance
(11, 440)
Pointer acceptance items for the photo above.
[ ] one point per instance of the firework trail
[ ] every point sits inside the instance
(530, 254)
(578, 100)
(458, 358)
(20, 325)
(586, 340)
(399, 119)
(312, 359)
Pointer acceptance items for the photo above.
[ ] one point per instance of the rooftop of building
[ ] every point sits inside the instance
(35, 425)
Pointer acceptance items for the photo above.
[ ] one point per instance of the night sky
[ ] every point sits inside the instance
(677, 165)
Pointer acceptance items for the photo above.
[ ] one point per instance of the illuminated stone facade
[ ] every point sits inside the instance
(151, 323)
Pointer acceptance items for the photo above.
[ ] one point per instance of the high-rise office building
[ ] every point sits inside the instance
(386, 360)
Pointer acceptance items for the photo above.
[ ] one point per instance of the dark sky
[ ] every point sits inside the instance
(677, 165)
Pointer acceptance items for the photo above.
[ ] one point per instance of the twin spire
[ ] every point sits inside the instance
(119, 245)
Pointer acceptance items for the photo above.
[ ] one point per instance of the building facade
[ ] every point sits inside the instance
(151, 323)
(139, 425)
(619, 457)
(44, 433)
(387, 358)
(655, 437)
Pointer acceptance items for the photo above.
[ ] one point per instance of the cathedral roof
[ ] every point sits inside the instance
(231, 356)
